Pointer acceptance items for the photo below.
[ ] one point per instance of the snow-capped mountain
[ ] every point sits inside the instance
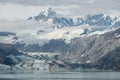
(50, 16)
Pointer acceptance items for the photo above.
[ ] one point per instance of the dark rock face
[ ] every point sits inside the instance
(53, 46)
(9, 49)
(6, 50)
(102, 51)
(110, 61)
(1, 55)
(10, 60)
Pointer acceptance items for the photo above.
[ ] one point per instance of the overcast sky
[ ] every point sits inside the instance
(22, 9)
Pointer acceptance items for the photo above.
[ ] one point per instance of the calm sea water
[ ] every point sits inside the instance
(40, 75)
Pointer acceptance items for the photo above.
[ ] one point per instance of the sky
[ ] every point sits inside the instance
(15, 10)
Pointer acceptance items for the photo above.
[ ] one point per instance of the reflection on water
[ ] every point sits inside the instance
(38, 75)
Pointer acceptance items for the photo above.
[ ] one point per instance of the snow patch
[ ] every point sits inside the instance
(88, 61)
(117, 35)
(82, 55)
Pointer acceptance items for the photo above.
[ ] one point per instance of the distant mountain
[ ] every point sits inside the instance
(50, 16)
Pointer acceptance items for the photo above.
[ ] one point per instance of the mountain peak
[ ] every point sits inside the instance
(48, 9)
(48, 12)
(44, 15)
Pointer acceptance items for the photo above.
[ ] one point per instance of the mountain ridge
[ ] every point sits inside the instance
(59, 21)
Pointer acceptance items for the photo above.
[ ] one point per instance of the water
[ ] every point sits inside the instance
(40, 75)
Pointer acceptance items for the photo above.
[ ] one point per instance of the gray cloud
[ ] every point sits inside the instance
(101, 3)
(71, 7)
(21, 26)
(88, 5)
(35, 2)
